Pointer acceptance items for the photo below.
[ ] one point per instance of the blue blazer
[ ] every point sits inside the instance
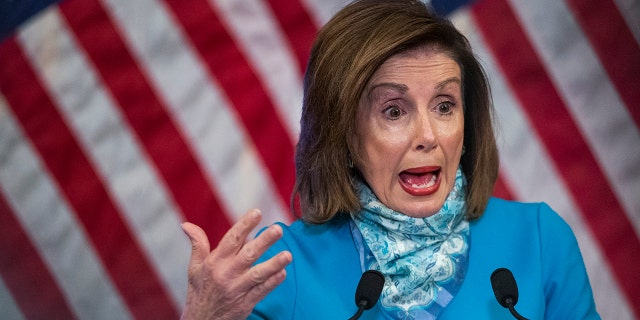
(529, 239)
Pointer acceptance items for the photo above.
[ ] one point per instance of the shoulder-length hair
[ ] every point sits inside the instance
(345, 54)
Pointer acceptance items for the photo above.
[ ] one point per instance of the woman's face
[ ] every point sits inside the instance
(410, 128)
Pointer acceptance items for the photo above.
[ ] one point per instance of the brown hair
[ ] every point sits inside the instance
(346, 53)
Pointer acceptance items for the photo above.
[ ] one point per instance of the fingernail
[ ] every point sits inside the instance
(275, 229)
(184, 230)
(286, 256)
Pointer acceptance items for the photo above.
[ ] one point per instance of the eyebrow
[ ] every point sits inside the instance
(403, 88)
(442, 84)
(397, 86)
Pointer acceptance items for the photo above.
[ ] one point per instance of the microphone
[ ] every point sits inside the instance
(506, 290)
(368, 291)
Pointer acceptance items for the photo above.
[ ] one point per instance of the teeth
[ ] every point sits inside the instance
(429, 183)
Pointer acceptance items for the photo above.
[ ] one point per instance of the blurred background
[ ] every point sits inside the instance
(121, 119)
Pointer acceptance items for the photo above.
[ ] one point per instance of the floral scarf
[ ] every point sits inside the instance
(424, 260)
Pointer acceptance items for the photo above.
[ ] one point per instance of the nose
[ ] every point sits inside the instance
(425, 137)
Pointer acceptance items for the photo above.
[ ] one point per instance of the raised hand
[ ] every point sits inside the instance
(224, 283)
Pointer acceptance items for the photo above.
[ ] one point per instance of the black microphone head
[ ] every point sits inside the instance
(504, 287)
(369, 289)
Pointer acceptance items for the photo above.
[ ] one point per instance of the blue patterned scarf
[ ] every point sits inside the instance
(424, 260)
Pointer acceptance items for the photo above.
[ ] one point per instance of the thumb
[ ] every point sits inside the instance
(200, 247)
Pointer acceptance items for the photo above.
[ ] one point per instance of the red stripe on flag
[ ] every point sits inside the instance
(616, 47)
(297, 26)
(553, 124)
(25, 274)
(63, 157)
(162, 141)
(228, 65)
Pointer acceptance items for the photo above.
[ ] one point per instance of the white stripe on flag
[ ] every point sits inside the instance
(58, 237)
(98, 125)
(322, 10)
(533, 178)
(257, 32)
(199, 107)
(8, 307)
(592, 100)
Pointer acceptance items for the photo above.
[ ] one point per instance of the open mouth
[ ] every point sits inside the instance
(420, 181)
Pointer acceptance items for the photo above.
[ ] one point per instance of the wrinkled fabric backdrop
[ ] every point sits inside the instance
(120, 119)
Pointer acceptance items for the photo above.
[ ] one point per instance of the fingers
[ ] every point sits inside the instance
(200, 246)
(255, 248)
(226, 277)
(235, 238)
(260, 291)
(265, 276)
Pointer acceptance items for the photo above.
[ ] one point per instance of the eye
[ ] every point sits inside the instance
(393, 112)
(445, 108)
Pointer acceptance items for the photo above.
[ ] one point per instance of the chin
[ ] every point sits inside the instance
(422, 211)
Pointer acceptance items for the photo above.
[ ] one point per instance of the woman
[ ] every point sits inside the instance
(394, 169)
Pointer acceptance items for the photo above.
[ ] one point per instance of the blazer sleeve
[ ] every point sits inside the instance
(566, 284)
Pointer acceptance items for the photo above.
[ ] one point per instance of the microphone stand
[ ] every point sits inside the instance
(512, 309)
(361, 305)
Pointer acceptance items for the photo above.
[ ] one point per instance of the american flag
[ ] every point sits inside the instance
(120, 119)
